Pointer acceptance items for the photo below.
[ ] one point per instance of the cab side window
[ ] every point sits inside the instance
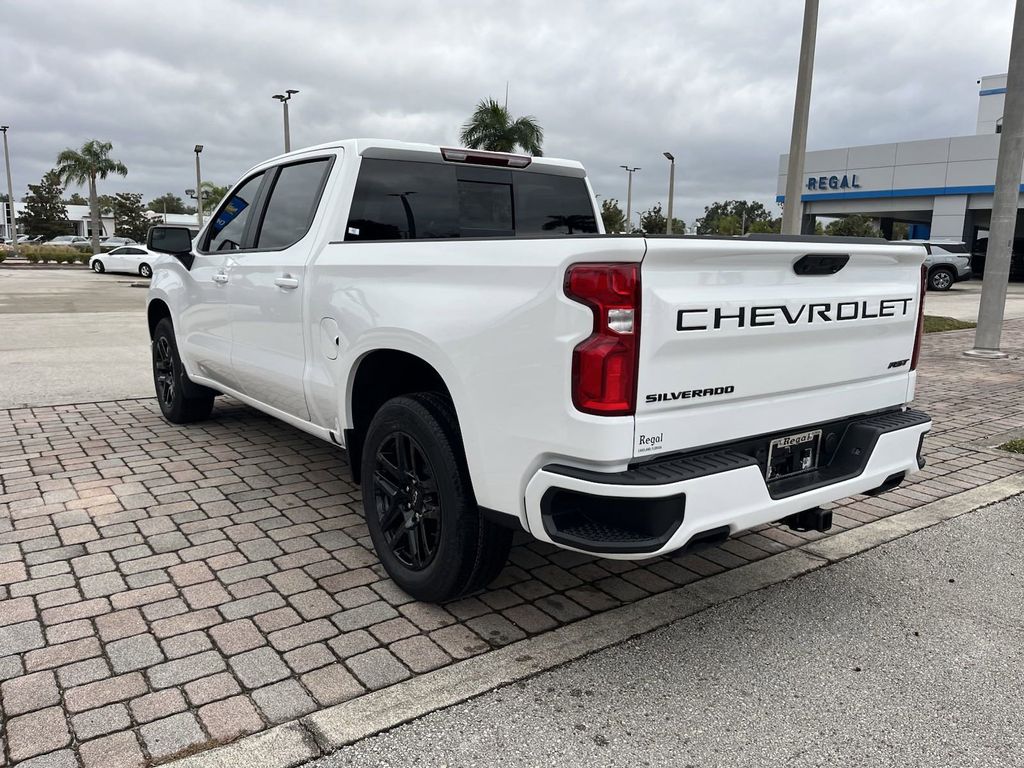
(228, 227)
(293, 202)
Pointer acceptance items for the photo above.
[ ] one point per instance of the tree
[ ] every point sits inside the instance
(76, 199)
(45, 213)
(85, 166)
(130, 216)
(106, 203)
(612, 216)
(654, 222)
(853, 226)
(491, 127)
(212, 194)
(740, 217)
(168, 202)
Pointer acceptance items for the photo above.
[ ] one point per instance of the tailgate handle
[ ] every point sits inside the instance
(820, 263)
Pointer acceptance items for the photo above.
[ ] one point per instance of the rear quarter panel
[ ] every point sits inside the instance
(492, 318)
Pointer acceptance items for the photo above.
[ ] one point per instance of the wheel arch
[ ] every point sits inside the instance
(156, 311)
(377, 377)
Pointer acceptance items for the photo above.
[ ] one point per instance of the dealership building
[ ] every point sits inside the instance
(79, 220)
(941, 188)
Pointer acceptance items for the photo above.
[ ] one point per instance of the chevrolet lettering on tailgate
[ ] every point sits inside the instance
(708, 318)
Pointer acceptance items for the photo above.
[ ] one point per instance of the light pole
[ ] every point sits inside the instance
(10, 193)
(671, 189)
(792, 211)
(284, 99)
(1004, 202)
(199, 186)
(629, 194)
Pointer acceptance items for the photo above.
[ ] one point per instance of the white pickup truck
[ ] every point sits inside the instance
(458, 321)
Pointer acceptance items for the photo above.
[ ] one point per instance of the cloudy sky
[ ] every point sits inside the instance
(610, 82)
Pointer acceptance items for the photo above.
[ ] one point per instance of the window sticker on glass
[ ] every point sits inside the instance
(229, 212)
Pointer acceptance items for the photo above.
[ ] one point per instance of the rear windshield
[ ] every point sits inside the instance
(403, 200)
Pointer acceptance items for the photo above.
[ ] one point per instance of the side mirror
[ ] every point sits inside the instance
(177, 241)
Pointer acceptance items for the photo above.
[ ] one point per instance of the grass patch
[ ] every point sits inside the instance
(1013, 446)
(937, 324)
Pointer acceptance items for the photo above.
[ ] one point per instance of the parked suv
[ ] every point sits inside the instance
(947, 263)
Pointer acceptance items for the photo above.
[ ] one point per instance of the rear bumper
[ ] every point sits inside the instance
(659, 507)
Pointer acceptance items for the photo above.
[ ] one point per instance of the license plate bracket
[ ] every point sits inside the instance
(793, 454)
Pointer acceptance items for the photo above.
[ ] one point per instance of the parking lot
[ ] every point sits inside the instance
(70, 335)
(165, 589)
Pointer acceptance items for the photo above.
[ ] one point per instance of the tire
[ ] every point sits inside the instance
(181, 401)
(941, 279)
(97, 267)
(438, 547)
(145, 270)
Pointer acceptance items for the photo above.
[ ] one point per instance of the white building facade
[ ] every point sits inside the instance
(79, 220)
(941, 188)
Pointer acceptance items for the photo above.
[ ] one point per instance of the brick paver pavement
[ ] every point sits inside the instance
(165, 589)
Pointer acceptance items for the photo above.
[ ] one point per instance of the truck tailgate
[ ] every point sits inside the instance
(739, 338)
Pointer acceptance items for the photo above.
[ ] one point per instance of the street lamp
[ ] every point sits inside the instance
(284, 99)
(629, 194)
(10, 192)
(671, 189)
(199, 187)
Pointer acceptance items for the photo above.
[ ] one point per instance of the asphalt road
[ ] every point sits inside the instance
(911, 654)
(71, 336)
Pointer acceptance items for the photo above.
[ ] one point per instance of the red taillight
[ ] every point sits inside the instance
(604, 365)
(920, 319)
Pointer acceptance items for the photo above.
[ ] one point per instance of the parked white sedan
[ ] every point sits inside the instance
(136, 259)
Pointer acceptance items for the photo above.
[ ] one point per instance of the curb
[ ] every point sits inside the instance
(334, 727)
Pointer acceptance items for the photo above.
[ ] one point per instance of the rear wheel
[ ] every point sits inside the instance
(181, 401)
(97, 267)
(145, 270)
(941, 279)
(419, 503)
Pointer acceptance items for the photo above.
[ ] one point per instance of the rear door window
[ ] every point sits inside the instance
(293, 203)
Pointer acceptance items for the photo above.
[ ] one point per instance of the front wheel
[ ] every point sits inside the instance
(941, 279)
(97, 267)
(181, 401)
(145, 270)
(419, 502)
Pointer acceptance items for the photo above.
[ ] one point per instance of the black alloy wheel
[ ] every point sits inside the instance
(406, 496)
(181, 401)
(418, 498)
(164, 371)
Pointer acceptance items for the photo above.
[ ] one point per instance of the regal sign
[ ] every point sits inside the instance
(833, 182)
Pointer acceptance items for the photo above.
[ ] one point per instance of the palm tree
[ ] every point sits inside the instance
(84, 166)
(492, 127)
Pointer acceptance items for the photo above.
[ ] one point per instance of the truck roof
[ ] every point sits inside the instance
(390, 149)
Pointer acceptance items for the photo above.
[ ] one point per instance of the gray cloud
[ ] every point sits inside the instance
(611, 83)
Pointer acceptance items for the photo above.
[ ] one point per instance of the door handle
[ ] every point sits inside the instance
(286, 281)
(220, 277)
